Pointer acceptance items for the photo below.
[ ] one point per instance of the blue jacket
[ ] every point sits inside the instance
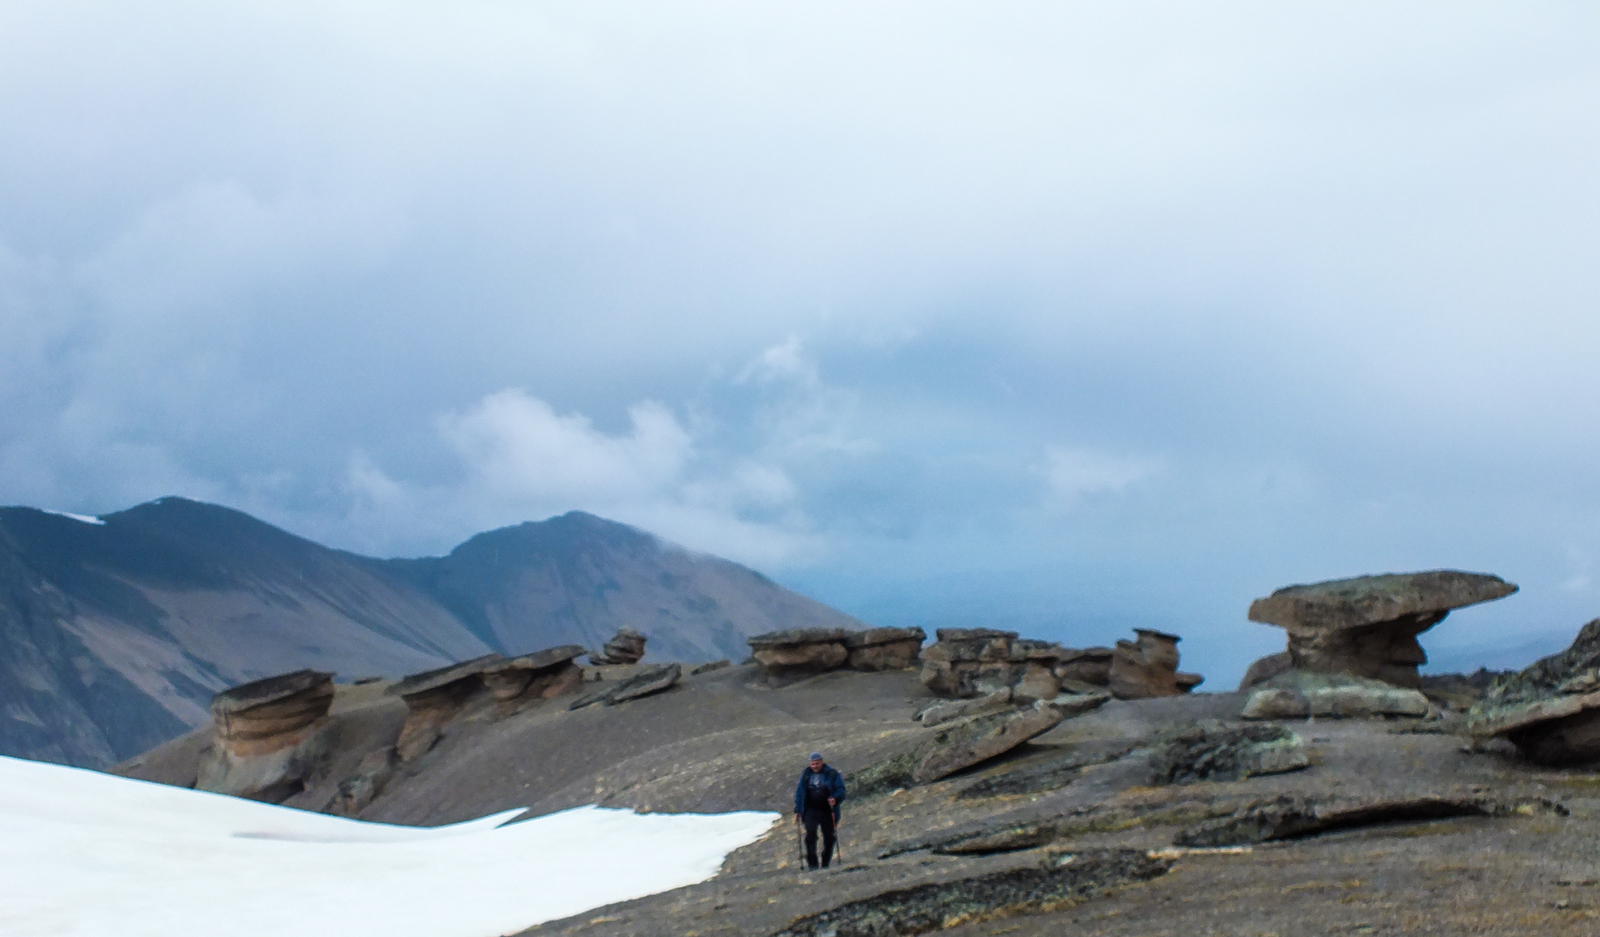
(831, 778)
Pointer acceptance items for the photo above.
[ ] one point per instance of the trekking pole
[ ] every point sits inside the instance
(800, 847)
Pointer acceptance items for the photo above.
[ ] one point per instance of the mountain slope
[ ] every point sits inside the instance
(118, 630)
(572, 579)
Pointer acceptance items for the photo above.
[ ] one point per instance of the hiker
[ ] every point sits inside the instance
(816, 804)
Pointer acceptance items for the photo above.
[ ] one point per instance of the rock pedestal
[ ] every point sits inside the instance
(433, 698)
(268, 736)
(625, 647)
(800, 651)
(884, 648)
(541, 675)
(1368, 626)
(1145, 667)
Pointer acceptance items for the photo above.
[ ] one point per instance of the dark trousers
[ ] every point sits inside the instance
(813, 819)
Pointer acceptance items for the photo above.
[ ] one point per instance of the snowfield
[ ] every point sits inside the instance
(91, 854)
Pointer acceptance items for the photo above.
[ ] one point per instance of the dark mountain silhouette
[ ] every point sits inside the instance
(114, 635)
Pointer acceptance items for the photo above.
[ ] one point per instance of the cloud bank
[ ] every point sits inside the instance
(1062, 316)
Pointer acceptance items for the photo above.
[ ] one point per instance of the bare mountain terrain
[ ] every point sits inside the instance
(116, 631)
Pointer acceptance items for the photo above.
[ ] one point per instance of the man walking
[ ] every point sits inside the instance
(816, 804)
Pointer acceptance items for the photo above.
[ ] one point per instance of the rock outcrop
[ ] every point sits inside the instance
(645, 682)
(1299, 694)
(625, 647)
(797, 652)
(971, 741)
(1368, 626)
(1290, 817)
(969, 662)
(433, 698)
(268, 739)
(541, 675)
(884, 648)
(1213, 751)
(1551, 710)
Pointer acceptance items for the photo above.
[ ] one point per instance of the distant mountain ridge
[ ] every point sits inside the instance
(116, 631)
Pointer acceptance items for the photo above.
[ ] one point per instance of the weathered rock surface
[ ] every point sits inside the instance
(884, 648)
(1368, 625)
(625, 647)
(1056, 881)
(1212, 751)
(969, 662)
(1550, 710)
(267, 740)
(360, 789)
(949, 711)
(1091, 665)
(433, 698)
(966, 743)
(1293, 817)
(799, 651)
(1265, 668)
(540, 675)
(645, 682)
(1146, 666)
(1298, 694)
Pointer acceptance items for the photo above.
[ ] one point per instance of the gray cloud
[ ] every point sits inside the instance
(1060, 316)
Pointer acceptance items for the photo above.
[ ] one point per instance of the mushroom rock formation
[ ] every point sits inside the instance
(796, 651)
(1368, 626)
(268, 736)
(541, 675)
(625, 647)
(433, 698)
(969, 662)
(884, 648)
(1551, 710)
(1146, 666)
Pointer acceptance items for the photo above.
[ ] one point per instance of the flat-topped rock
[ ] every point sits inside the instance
(542, 674)
(1368, 625)
(434, 697)
(246, 696)
(430, 680)
(268, 736)
(1300, 694)
(796, 636)
(884, 648)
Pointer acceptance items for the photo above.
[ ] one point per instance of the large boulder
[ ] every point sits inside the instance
(541, 675)
(1368, 626)
(269, 739)
(1299, 694)
(625, 647)
(800, 651)
(435, 697)
(884, 648)
(971, 741)
(644, 683)
(1551, 710)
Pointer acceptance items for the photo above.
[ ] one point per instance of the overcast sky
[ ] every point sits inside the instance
(1055, 316)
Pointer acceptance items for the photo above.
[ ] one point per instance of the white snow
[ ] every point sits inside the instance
(94, 855)
(77, 517)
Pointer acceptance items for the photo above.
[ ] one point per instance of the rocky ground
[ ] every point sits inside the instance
(1138, 817)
